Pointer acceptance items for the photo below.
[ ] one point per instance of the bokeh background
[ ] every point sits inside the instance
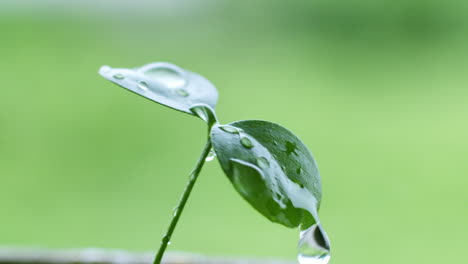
(376, 89)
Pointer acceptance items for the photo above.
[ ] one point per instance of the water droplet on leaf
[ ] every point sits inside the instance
(246, 142)
(313, 247)
(105, 69)
(211, 156)
(169, 77)
(299, 170)
(182, 92)
(291, 148)
(230, 129)
(263, 163)
(143, 85)
(118, 76)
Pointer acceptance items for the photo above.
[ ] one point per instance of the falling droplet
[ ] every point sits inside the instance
(211, 156)
(119, 76)
(314, 246)
(263, 163)
(182, 92)
(169, 77)
(143, 85)
(246, 142)
(230, 129)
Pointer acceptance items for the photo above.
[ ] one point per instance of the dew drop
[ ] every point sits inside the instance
(182, 92)
(263, 163)
(275, 143)
(171, 78)
(291, 148)
(299, 170)
(314, 246)
(119, 76)
(230, 129)
(143, 85)
(105, 69)
(211, 156)
(175, 211)
(246, 142)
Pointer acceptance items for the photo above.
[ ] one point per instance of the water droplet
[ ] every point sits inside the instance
(230, 129)
(119, 76)
(263, 163)
(166, 238)
(105, 69)
(299, 170)
(168, 76)
(143, 85)
(314, 246)
(291, 148)
(182, 92)
(246, 142)
(211, 156)
(175, 211)
(275, 143)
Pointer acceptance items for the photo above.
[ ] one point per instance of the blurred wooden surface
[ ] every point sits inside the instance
(101, 256)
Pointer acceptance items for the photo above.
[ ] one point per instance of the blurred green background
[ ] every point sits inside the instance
(376, 89)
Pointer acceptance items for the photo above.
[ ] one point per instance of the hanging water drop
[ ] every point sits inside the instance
(211, 156)
(167, 75)
(230, 129)
(182, 92)
(246, 142)
(143, 85)
(263, 163)
(118, 76)
(314, 246)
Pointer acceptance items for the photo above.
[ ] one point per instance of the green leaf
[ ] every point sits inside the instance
(166, 84)
(272, 169)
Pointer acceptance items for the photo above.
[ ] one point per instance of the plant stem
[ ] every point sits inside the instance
(183, 200)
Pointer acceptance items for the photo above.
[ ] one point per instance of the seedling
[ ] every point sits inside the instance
(269, 166)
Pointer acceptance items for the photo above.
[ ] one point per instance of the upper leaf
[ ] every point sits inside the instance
(272, 169)
(166, 84)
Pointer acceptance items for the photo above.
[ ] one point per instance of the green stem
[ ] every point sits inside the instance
(183, 200)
